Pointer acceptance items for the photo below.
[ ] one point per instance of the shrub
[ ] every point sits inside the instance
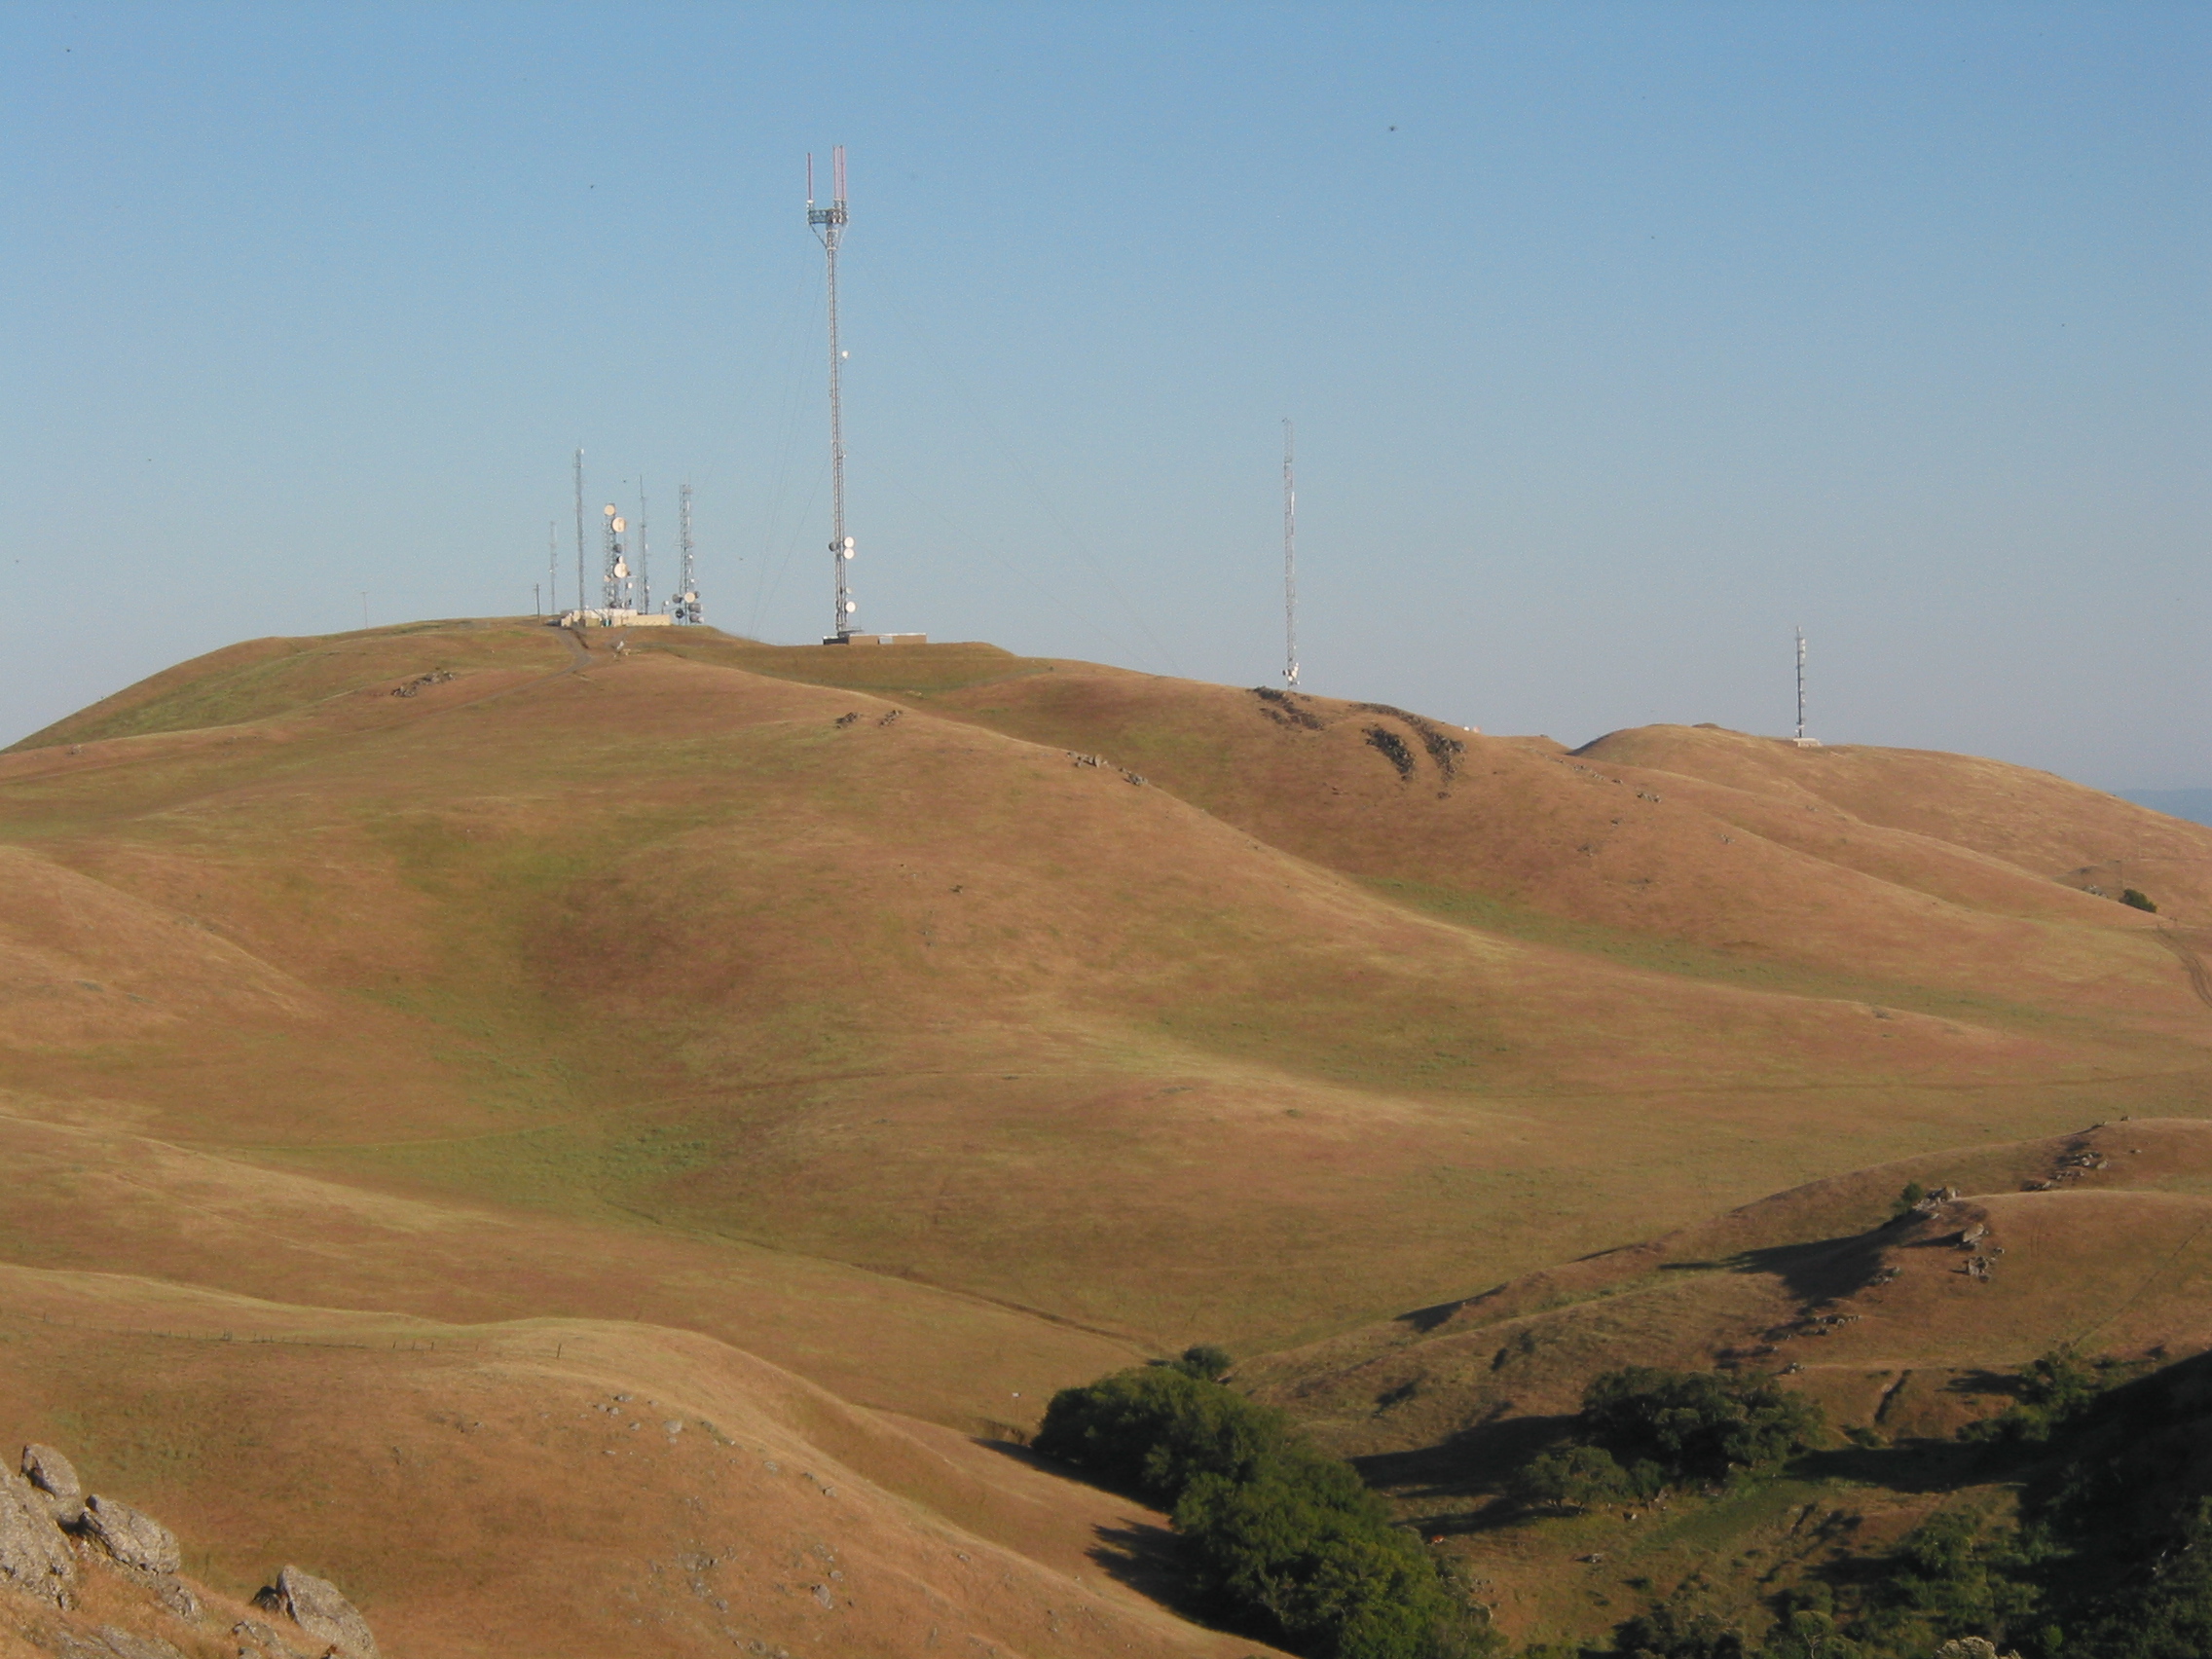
(1205, 1362)
(2052, 1390)
(1667, 1634)
(1322, 1564)
(1695, 1424)
(2170, 1616)
(1573, 1477)
(1948, 1578)
(2135, 897)
(1275, 1530)
(1152, 1431)
(1912, 1194)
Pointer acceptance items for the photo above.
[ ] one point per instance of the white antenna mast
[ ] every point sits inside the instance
(1801, 685)
(581, 602)
(1801, 740)
(1289, 555)
(645, 599)
(829, 225)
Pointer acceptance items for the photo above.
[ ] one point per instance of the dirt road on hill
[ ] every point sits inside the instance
(2200, 979)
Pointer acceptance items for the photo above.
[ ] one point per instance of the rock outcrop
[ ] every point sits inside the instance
(137, 1560)
(49, 1471)
(317, 1608)
(34, 1556)
(133, 1540)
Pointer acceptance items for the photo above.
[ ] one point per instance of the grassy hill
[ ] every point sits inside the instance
(941, 1026)
(1904, 1328)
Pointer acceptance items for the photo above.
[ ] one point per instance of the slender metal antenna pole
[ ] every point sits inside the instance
(582, 602)
(1801, 685)
(829, 225)
(645, 556)
(686, 607)
(553, 563)
(1289, 555)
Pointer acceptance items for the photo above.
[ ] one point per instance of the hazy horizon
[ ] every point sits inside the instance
(1620, 343)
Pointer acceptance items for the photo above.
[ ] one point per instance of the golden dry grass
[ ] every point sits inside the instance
(561, 1487)
(921, 1057)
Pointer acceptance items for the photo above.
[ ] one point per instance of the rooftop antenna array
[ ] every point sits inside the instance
(615, 581)
(685, 607)
(829, 225)
(1289, 555)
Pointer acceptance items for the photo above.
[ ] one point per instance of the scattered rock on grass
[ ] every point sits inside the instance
(128, 1645)
(49, 1471)
(317, 1608)
(129, 1538)
(34, 1556)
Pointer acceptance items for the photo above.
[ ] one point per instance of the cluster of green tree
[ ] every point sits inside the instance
(1643, 1429)
(2049, 1392)
(2111, 1557)
(1281, 1537)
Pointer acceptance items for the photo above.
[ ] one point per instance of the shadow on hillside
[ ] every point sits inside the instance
(1978, 1382)
(1910, 1466)
(1829, 1270)
(1014, 1451)
(1147, 1558)
(1467, 1468)
(1426, 1320)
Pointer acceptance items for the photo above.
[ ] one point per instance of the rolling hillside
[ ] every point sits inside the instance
(917, 1030)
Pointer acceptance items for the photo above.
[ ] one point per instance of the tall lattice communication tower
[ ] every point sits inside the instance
(1801, 740)
(642, 600)
(1801, 685)
(1289, 555)
(614, 580)
(579, 528)
(829, 225)
(685, 607)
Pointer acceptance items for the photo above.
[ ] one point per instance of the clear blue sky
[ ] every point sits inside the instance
(1620, 339)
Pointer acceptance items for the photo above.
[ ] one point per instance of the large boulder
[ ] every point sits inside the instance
(135, 1540)
(34, 1556)
(49, 1471)
(315, 1605)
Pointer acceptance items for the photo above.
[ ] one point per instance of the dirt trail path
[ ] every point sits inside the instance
(2200, 979)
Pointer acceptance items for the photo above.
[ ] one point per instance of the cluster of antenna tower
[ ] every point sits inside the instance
(625, 590)
(625, 576)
